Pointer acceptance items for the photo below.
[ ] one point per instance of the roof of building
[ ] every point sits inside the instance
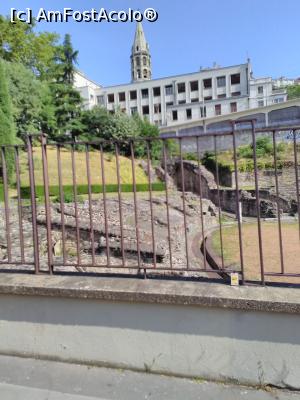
(140, 43)
(174, 76)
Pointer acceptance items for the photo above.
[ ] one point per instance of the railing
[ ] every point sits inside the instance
(81, 226)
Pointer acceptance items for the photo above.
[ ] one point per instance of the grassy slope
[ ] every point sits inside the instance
(109, 167)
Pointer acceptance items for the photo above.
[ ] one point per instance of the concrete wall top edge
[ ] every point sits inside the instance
(202, 294)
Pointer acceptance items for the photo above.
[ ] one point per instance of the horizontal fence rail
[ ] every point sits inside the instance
(155, 206)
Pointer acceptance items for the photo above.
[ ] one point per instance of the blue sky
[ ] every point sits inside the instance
(188, 34)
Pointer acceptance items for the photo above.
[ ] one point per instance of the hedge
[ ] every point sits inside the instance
(83, 189)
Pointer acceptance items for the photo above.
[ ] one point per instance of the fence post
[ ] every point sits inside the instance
(33, 206)
(47, 201)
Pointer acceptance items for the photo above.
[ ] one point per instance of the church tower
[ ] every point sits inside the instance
(140, 56)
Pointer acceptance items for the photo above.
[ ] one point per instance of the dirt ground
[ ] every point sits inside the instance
(271, 249)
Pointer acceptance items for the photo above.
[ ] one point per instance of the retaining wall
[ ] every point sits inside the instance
(244, 334)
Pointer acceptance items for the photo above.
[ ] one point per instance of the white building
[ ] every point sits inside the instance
(283, 82)
(174, 100)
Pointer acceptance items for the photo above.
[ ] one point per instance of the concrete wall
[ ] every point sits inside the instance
(224, 344)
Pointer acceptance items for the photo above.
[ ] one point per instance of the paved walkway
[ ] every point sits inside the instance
(27, 379)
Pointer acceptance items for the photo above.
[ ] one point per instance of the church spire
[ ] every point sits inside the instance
(140, 56)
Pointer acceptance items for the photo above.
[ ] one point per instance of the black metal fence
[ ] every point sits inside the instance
(149, 232)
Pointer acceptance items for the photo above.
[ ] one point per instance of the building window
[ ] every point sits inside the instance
(260, 89)
(181, 102)
(139, 74)
(122, 96)
(145, 73)
(157, 108)
(207, 83)
(145, 110)
(181, 87)
(144, 61)
(207, 97)
(221, 81)
(145, 93)
(133, 110)
(222, 96)
(174, 115)
(218, 109)
(233, 107)
(133, 95)
(261, 103)
(188, 113)
(195, 100)
(100, 100)
(169, 89)
(194, 86)
(203, 111)
(138, 61)
(235, 79)
(111, 98)
(169, 103)
(156, 91)
(234, 94)
(278, 100)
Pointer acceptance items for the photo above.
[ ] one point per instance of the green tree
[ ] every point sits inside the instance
(20, 43)
(293, 92)
(7, 131)
(68, 58)
(100, 124)
(31, 101)
(146, 129)
(95, 122)
(66, 98)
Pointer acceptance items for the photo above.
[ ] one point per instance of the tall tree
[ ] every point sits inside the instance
(69, 59)
(66, 98)
(20, 43)
(7, 131)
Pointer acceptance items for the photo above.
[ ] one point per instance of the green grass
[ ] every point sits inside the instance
(110, 168)
(285, 158)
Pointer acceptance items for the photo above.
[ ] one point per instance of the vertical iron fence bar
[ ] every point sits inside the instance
(35, 236)
(167, 202)
(151, 203)
(201, 202)
(219, 201)
(277, 201)
(296, 176)
(137, 231)
(88, 174)
(257, 205)
(237, 199)
(62, 203)
(104, 205)
(120, 203)
(75, 203)
(20, 212)
(47, 201)
(183, 205)
(6, 203)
